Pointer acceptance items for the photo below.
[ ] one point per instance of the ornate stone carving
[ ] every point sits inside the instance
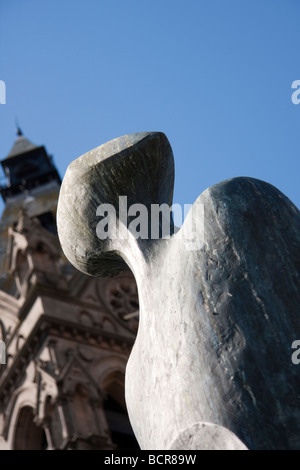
(61, 341)
(33, 254)
(121, 299)
(122, 296)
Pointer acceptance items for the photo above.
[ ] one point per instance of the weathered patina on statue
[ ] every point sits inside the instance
(211, 366)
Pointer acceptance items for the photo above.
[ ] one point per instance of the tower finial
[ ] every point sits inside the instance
(19, 131)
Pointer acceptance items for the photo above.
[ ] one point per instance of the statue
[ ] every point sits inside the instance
(211, 365)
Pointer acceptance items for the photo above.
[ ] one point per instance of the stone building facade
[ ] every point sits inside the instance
(67, 336)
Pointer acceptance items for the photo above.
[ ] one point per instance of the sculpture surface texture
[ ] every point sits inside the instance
(211, 365)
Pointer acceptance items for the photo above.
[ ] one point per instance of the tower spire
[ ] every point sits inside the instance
(19, 131)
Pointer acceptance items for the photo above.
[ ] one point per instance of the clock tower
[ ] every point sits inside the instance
(67, 336)
(26, 167)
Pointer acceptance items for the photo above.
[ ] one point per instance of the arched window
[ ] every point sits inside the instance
(28, 435)
(115, 410)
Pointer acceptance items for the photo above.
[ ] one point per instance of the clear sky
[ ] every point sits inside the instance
(215, 76)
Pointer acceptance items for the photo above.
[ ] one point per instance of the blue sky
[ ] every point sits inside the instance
(214, 75)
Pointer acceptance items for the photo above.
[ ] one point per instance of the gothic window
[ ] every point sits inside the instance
(28, 435)
(117, 418)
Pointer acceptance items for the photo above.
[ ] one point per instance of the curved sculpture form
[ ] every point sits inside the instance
(211, 366)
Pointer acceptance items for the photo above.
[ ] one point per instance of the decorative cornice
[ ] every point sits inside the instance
(47, 327)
